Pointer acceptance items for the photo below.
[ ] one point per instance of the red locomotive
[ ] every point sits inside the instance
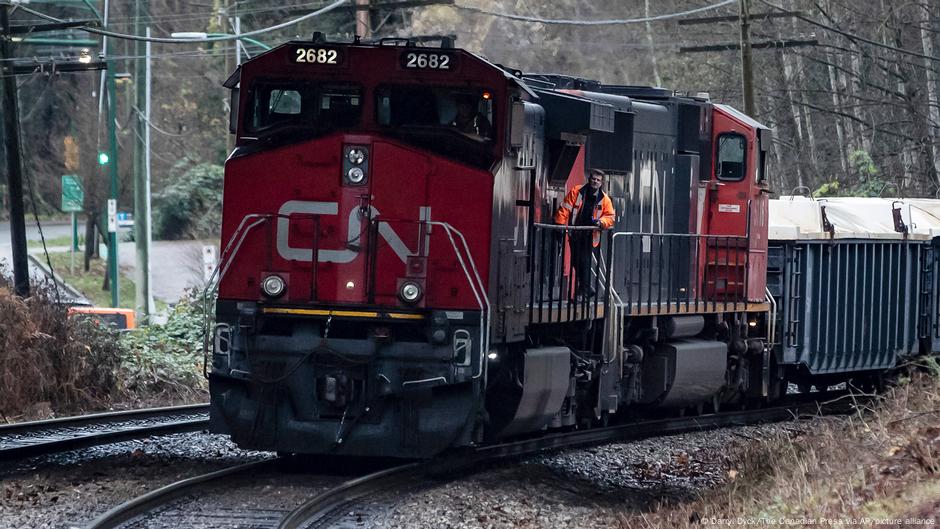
(392, 282)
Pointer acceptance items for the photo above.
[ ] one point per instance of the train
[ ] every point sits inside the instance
(392, 282)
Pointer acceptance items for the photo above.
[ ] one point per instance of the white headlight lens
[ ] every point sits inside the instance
(356, 156)
(273, 286)
(355, 175)
(410, 292)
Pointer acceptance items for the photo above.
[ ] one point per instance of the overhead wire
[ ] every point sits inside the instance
(574, 22)
(169, 40)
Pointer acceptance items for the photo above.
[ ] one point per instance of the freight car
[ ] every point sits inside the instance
(392, 282)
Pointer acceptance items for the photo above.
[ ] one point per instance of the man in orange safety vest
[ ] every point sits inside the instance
(586, 205)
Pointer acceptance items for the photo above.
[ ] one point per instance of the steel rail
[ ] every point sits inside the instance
(318, 509)
(143, 504)
(54, 435)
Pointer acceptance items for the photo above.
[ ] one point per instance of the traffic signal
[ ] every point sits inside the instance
(103, 158)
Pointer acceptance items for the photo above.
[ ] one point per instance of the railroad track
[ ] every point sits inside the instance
(333, 504)
(35, 438)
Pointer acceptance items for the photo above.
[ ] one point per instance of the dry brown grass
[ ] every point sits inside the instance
(49, 362)
(878, 465)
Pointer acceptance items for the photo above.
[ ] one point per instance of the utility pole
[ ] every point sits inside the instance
(744, 18)
(747, 74)
(11, 135)
(113, 171)
(363, 27)
(143, 300)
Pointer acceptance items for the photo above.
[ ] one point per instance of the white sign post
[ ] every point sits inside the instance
(112, 216)
(208, 262)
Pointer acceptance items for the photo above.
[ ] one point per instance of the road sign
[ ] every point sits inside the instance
(112, 215)
(73, 196)
(125, 219)
(208, 262)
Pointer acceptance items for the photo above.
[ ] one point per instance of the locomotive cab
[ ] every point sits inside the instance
(358, 204)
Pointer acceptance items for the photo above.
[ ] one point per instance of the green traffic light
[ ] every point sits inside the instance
(103, 158)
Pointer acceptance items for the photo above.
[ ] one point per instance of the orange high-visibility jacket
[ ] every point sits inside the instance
(603, 211)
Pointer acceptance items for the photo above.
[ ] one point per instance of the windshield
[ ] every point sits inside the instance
(462, 110)
(319, 107)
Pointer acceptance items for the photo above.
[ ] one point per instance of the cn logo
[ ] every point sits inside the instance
(353, 232)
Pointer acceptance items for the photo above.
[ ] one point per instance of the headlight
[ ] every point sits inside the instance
(410, 292)
(355, 175)
(356, 156)
(273, 286)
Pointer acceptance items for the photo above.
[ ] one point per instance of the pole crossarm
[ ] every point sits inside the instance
(771, 44)
(736, 18)
(55, 67)
(32, 28)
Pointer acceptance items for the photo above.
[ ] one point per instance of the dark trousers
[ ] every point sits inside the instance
(582, 257)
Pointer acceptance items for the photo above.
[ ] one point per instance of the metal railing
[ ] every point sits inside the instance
(669, 273)
(559, 291)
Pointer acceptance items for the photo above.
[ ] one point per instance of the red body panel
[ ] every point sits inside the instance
(737, 208)
(303, 183)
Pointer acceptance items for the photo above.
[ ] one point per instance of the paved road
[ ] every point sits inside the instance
(50, 231)
(175, 265)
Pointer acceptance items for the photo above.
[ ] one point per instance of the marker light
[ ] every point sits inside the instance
(410, 292)
(356, 175)
(356, 156)
(273, 286)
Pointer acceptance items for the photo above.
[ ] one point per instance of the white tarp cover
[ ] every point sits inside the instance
(798, 217)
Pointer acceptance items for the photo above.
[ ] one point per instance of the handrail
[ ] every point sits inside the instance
(724, 244)
(481, 297)
(225, 260)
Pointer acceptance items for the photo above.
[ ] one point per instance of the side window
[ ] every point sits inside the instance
(339, 106)
(732, 150)
(285, 102)
(274, 106)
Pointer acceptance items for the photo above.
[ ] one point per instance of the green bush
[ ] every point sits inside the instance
(166, 359)
(190, 206)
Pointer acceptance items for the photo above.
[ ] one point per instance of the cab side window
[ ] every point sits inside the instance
(732, 151)
(275, 106)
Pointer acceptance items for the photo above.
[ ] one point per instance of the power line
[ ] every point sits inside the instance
(166, 40)
(852, 36)
(573, 22)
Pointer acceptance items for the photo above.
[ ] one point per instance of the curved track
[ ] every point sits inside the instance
(329, 507)
(329, 504)
(160, 497)
(35, 438)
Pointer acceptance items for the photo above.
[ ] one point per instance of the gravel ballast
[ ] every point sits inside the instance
(590, 487)
(68, 490)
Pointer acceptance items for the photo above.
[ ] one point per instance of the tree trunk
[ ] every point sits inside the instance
(933, 102)
(91, 238)
(842, 147)
(789, 90)
(649, 42)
